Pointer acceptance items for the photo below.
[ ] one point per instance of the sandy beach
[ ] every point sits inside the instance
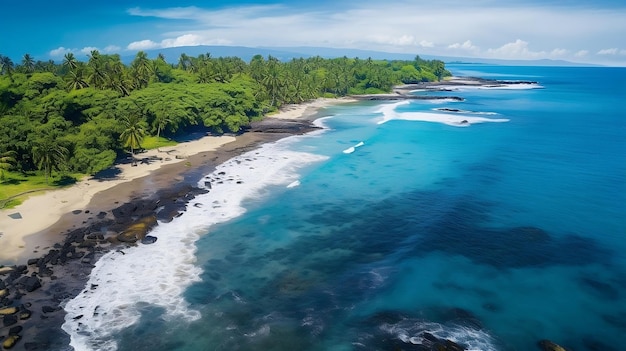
(27, 227)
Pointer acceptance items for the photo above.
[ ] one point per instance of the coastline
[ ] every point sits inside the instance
(77, 204)
(66, 251)
(57, 248)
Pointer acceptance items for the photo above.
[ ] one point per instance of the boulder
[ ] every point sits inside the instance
(6, 270)
(9, 320)
(149, 239)
(137, 230)
(15, 330)
(10, 342)
(4, 292)
(24, 314)
(547, 345)
(8, 311)
(31, 284)
(48, 309)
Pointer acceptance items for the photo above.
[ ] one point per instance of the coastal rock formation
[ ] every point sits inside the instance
(547, 345)
(138, 230)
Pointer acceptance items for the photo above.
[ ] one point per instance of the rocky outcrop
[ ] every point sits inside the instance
(547, 345)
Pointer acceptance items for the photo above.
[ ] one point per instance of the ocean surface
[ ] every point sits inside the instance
(495, 226)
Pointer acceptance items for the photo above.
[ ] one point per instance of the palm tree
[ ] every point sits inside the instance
(69, 61)
(49, 155)
(6, 66)
(141, 70)
(97, 76)
(7, 160)
(76, 79)
(134, 131)
(28, 63)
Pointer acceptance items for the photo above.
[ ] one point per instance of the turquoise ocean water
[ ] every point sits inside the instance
(366, 235)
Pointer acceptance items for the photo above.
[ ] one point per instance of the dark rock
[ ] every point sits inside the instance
(32, 261)
(48, 309)
(77, 212)
(101, 215)
(9, 320)
(31, 284)
(125, 210)
(24, 313)
(149, 239)
(15, 330)
(547, 345)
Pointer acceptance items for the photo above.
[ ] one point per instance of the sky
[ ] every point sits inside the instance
(585, 31)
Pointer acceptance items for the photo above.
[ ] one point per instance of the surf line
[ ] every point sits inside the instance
(353, 148)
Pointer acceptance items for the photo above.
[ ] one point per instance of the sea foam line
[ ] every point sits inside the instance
(457, 120)
(158, 274)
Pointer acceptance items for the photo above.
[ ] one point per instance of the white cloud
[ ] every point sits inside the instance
(182, 40)
(611, 51)
(88, 49)
(402, 40)
(516, 49)
(60, 51)
(191, 40)
(112, 49)
(467, 45)
(490, 23)
(558, 52)
(426, 44)
(142, 45)
(582, 53)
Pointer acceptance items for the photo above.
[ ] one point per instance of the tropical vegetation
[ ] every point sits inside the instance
(79, 116)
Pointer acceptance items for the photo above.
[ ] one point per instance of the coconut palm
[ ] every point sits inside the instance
(28, 63)
(7, 160)
(49, 155)
(134, 131)
(69, 61)
(6, 66)
(76, 79)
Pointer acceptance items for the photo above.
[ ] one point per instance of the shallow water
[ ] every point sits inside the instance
(494, 235)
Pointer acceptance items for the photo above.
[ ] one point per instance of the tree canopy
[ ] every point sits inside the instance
(82, 116)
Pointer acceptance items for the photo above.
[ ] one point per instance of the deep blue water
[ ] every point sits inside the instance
(494, 235)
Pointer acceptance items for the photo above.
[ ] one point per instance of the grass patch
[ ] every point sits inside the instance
(15, 184)
(152, 142)
(10, 204)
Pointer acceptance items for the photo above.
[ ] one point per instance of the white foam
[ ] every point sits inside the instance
(158, 274)
(467, 112)
(496, 86)
(457, 120)
(294, 184)
(353, 148)
(411, 331)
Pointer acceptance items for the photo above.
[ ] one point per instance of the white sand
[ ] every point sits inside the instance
(295, 111)
(41, 211)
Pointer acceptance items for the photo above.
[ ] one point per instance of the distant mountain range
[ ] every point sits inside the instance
(288, 53)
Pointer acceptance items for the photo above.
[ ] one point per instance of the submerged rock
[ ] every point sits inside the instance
(137, 230)
(547, 345)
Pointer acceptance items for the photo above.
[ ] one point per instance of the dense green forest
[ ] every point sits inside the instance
(79, 117)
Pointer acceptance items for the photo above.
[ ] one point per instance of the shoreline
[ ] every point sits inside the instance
(54, 263)
(79, 203)
(66, 250)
